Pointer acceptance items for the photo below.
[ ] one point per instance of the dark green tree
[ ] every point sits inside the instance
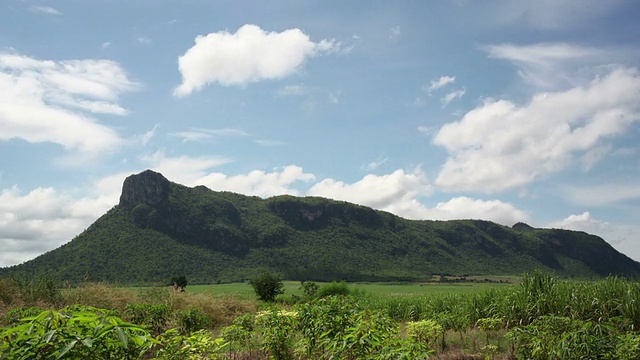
(179, 282)
(267, 286)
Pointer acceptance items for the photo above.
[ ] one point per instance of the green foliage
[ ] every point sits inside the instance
(309, 288)
(179, 282)
(156, 316)
(276, 330)
(267, 286)
(195, 346)
(14, 315)
(333, 289)
(192, 320)
(74, 333)
(424, 332)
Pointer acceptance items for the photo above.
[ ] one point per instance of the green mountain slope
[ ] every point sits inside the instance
(161, 229)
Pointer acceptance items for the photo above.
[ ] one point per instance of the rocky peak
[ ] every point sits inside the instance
(522, 227)
(147, 187)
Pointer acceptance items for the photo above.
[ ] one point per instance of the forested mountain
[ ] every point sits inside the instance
(162, 229)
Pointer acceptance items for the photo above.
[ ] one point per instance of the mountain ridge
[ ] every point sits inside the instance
(160, 229)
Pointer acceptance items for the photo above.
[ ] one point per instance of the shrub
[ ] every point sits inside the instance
(267, 286)
(156, 316)
(333, 288)
(192, 320)
(179, 282)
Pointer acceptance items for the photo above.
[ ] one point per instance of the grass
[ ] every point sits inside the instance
(245, 291)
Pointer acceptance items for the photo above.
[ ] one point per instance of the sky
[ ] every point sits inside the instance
(509, 111)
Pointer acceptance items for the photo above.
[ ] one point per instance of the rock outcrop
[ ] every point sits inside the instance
(147, 187)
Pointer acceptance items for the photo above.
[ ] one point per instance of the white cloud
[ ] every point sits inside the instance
(249, 55)
(41, 220)
(147, 136)
(375, 164)
(41, 100)
(445, 100)
(45, 10)
(144, 40)
(468, 208)
(386, 192)
(602, 195)
(395, 33)
(258, 182)
(441, 82)
(501, 145)
(185, 170)
(293, 90)
(200, 134)
(551, 65)
(623, 237)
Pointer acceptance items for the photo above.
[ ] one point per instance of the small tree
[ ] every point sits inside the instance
(179, 282)
(267, 286)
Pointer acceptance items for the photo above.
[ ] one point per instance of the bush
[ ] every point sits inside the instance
(192, 320)
(267, 286)
(334, 288)
(179, 282)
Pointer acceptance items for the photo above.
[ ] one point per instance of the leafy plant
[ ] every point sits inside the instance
(192, 320)
(195, 346)
(156, 316)
(424, 332)
(74, 333)
(267, 286)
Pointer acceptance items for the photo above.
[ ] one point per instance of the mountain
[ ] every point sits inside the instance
(162, 229)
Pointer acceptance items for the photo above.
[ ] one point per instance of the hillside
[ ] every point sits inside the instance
(161, 229)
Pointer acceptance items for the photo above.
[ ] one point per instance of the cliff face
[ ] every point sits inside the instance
(148, 187)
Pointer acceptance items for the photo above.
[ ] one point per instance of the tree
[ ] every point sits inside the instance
(267, 286)
(179, 282)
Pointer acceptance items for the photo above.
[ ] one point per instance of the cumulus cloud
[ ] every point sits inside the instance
(468, 208)
(258, 182)
(182, 169)
(400, 193)
(248, 55)
(40, 100)
(41, 220)
(502, 145)
(380, 192)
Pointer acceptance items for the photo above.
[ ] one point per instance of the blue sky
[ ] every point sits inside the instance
(501, 110)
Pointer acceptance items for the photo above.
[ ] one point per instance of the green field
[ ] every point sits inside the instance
(245, 291)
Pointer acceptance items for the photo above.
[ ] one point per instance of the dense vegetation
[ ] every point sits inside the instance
(161, 229)
(540, 318)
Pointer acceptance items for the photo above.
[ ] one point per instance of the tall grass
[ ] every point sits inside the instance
(537, 295)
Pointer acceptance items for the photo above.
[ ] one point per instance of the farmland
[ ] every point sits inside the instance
(538, 318)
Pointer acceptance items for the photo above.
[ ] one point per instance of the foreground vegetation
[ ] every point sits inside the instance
(540, 318)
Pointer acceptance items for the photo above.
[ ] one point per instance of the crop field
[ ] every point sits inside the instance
(539, 317)
(245, 291)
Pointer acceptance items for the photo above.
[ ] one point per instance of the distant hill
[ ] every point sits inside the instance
(162, 229)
